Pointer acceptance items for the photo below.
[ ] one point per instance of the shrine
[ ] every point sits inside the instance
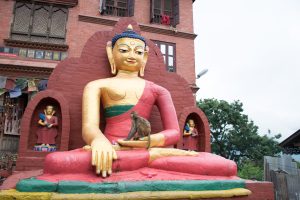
(199, 170)
(84, 115)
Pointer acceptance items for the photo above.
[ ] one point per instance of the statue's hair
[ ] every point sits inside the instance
(127, 34)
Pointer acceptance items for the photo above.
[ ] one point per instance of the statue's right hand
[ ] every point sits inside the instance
(103, 155)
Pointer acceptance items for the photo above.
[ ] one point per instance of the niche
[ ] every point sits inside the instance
(34, 126)
(192, 133)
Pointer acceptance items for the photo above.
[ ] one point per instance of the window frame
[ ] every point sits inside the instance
(166, 54)
(30, 33)
(174, 12)
(129, 11)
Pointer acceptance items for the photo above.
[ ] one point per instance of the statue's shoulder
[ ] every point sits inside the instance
(159, 90)
(98, 83)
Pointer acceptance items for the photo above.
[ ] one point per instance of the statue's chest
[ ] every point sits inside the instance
(120, 95)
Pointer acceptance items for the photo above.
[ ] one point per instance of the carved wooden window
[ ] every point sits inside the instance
(165, 12)
(168, 51)
(35, 22)
(120, 8)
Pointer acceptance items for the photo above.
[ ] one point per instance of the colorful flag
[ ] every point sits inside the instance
(2, 91)
(10, 84)
(21, 83)
(31, 85)
(3, 81)
(16, 92)
(43, 85)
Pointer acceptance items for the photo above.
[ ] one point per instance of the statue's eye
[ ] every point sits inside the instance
(139, 52)
(123, 50)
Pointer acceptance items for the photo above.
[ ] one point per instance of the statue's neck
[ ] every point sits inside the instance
(127, 74)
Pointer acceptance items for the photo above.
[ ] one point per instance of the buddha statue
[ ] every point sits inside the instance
(121, 94)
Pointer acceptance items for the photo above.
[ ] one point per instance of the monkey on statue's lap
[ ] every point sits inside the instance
(140, 127)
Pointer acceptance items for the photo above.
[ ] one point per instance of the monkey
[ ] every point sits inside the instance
(140, 127)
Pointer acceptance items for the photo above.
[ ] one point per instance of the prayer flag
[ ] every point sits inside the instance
(10, 84)
(43, 85)
(16, 92)
(2, 91)
(21, 83)
(3, 81)
(31, 85)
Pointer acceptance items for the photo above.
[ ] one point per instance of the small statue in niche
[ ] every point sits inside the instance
(190, 129)
(47, 131)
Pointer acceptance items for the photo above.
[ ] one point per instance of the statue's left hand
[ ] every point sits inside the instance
(133, 143)
(157, 140)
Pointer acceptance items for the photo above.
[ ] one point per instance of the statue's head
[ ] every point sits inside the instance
(49, 110)
(191, 123)
(127, 51)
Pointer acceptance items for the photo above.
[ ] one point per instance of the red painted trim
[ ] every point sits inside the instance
(8, 55)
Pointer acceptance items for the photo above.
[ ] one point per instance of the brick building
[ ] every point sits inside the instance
(36, 35)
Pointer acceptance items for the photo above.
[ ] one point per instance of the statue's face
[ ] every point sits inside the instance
(191, 123)
(128, 54)
(49, 110)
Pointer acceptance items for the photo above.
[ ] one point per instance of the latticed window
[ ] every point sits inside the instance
(168, 51)
(37, 22)
(120, 8)
(165, 12)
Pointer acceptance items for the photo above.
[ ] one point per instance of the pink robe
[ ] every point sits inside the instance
(47, 135)
(191, 141)
(152, 95)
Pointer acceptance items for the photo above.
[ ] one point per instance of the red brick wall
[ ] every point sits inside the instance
(6, 16)
(78, 32)
(142, 13)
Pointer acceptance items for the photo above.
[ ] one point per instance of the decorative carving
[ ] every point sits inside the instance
(36, 45)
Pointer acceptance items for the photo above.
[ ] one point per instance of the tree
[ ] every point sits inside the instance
(249, 170)
(233, 135)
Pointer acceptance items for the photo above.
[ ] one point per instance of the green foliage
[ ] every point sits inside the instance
(298, 164)
(249, 170)
(233, 135)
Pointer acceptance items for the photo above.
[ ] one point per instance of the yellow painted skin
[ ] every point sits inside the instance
(15, 195)
(117, 92)
(156, 152)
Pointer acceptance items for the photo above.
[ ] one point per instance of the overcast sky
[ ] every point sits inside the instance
(251, 49)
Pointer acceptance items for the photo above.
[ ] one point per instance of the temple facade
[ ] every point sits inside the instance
(36, 35)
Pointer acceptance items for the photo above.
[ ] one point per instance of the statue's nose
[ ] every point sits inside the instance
(131, 55)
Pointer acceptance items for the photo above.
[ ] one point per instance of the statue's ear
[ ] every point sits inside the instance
(142, 70)
(110, 57)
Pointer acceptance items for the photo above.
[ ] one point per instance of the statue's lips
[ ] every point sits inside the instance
(131, 61)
